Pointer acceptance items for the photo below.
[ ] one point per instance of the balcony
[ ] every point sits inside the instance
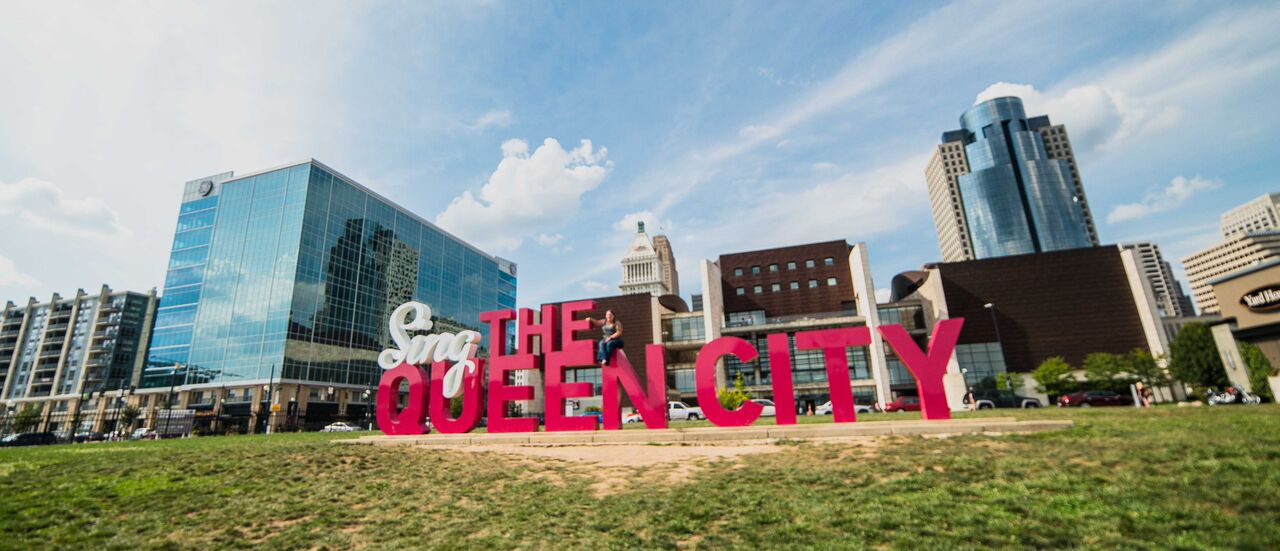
(10, 333)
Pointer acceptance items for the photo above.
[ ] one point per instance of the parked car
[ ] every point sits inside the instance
(988, 398)
(767, 407)
(89, 437)
(678, 411)
(1094, 398)
(340, 427)
(903, 404)
(142, 433)
(825, 409)
(632, 418)
(29, 439)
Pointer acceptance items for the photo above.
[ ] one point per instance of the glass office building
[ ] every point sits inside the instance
(1016, 198)
(291, 274)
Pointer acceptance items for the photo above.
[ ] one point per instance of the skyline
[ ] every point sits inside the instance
(723, 140)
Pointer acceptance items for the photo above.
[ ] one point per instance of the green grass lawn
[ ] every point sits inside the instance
(1162, 478)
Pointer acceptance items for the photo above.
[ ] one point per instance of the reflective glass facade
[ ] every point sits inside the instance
(292, 273)
(1017, 200)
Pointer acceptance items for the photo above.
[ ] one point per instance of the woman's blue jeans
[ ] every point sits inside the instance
(604, 352)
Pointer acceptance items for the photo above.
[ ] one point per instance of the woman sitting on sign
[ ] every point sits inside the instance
(612, 340)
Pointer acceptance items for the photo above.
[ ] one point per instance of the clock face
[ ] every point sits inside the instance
(206, 187)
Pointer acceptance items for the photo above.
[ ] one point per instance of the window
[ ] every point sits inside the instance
(813, 284)
(737, 272)
(741, 291)
(795, 285)
(791, 265)
(758, 289)
(831, 282)
(773, 268)
(755, 270)
(776, 287)
(828, 261)
(808, 263)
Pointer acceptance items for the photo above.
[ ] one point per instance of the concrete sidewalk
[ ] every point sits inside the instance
(992, 425)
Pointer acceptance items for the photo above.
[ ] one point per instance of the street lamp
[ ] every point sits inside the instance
(267, 387)
(168, 398)
(367, 394)
(996, 323)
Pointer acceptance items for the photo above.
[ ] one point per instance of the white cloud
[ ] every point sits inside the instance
(1163, 199)
(1096, 117)
(178, 91)
(527, 194)
(652, 225)
(854, 205)
(883, 295)
(823, 167)
(11, 277)
(592, 286)
(43, 205)
(756, 132)
(547, 240)
(491, 118)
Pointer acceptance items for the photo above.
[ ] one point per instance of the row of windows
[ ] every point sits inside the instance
(777, 287)
(773, 268)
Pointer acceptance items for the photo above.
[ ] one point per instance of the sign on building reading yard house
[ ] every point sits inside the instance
(439, 367)
(1262, 299)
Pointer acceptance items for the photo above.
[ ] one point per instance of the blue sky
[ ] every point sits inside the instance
(731, 126)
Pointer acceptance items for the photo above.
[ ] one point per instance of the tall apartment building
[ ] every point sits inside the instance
(60, 355)
(646, 269)
(1261, 214)
(1004, 184)
(281, 283)
(670, 277)
(1171, 301)
(1242, 251)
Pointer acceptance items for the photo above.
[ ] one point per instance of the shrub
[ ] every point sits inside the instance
(1259, 368)
(1053, 377)
(27, 419)
(730, 399)
(1194, 357)
(1106, 371)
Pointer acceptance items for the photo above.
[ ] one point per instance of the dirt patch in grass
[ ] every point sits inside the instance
(619, 468)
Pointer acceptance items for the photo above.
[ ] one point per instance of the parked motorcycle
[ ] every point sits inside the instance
(1233, 395)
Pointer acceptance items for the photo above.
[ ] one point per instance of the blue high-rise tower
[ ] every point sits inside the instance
(1014, 194)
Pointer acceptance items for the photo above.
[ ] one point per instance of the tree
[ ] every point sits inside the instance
(128, 415)
(1006, 381)
(1194, 357)
(730, 399)
(1259, 368)
(1106, 371)
(1145, 367)
(1053, 377)
(27, 419)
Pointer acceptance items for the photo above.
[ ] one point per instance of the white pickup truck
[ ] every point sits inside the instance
(677, 411)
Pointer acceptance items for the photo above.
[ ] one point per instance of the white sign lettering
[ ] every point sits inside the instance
(459, 349)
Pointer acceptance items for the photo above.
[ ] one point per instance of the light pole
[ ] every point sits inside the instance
(996, 323)
(168, 398)
(368, 393)
(268, 388)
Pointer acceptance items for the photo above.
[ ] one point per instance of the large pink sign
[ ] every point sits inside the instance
(456, 372)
